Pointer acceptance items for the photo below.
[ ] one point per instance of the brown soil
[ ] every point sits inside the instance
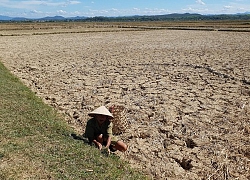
(187, 93)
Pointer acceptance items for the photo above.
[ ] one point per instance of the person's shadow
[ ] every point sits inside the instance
(80, 138)
(85, 140)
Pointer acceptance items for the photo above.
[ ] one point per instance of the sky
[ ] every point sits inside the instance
(91, 8)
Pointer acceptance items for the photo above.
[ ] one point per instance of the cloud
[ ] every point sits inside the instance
(136, 9)
(127, 12)
(31, 4)
(36, 12)
(74, 2)
(155, 11)
(61, 12)
(200, 2)
(228, 7)
(195, 10)
(44, 3)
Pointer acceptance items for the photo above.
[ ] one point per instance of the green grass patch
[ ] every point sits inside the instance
(36, 142)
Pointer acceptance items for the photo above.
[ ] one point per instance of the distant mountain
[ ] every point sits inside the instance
(166, 17)
(177, 15)
(174, 16)
(19, 19)
(54, 18)
(5, 18)
(244, 13)
(77, 17)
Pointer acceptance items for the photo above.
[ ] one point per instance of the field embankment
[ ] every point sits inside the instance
(40, 28)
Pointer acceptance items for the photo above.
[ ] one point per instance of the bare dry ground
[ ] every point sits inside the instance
(187, 92)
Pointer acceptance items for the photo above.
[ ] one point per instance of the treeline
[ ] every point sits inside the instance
(167, 17)
(170, 17)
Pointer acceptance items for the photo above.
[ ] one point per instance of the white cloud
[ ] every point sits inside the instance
(136, 9)
(228, 7)
(155, 11)
(29, 4)
(195, 10)
(200, 2)
(36, 12)
(44, 3)
(74, 2)
(127, 12)
(61, 12)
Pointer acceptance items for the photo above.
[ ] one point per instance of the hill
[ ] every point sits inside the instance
(167, 17)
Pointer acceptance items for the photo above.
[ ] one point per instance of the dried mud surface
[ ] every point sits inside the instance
(187, 93)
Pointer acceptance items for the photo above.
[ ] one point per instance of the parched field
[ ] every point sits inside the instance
(187, 92)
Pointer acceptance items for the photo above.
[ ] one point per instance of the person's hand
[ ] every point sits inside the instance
(106, 151)
(99, 146)
(112, 109)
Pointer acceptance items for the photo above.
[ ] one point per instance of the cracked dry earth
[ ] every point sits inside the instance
(186, 93)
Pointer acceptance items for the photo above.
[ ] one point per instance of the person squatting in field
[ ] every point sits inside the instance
(99, 131)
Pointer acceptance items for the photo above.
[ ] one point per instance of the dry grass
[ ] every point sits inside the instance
(36, 28)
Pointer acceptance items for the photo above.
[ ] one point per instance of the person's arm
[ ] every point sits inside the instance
(99, 145)
(109, 135)
(108, 142)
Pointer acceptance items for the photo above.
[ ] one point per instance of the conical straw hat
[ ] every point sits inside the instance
(101, 110)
